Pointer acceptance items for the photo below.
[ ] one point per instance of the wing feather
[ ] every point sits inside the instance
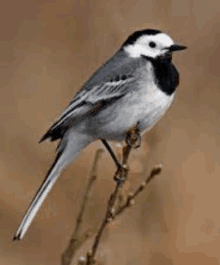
(98, 92)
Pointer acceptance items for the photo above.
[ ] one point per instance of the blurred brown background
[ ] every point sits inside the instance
(48, 49)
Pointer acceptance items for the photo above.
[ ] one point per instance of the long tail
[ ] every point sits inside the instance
(75, 143)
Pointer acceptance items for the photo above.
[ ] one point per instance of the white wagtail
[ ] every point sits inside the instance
(135, 86)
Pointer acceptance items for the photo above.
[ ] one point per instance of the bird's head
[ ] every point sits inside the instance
(151, 43)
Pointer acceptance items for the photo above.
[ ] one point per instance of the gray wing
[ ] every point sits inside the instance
(108, 84)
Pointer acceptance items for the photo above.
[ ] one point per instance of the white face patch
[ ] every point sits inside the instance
(142, 47)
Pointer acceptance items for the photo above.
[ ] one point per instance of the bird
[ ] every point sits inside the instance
(135, 86)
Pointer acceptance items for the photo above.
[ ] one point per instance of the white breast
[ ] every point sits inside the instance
(145, 109)
(144, 104)
(155, 105)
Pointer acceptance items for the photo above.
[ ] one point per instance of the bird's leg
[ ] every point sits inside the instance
(122, 168)
(111, 152)
(133, 140)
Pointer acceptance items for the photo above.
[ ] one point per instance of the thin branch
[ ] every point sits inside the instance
(129, 202)
(76, 241)
(120, 177)
(133, 140)
(130, 199)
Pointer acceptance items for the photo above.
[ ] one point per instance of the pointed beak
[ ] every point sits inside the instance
(176, 47)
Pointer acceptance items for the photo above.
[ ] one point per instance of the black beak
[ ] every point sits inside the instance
(176, 47)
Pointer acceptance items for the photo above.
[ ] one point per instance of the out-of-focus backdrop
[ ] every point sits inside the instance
(48, 50)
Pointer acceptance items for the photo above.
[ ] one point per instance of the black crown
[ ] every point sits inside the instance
(134, 36)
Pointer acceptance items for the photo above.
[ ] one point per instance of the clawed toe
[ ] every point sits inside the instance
(121, 173)
(133, 138)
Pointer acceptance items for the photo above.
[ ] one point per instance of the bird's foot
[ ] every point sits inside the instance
(121, 174)
(133, 138)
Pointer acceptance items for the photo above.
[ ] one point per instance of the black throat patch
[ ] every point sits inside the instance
(166, 74)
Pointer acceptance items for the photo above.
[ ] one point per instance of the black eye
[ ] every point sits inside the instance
(152, 44)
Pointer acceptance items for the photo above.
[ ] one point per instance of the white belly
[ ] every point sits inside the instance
(144, 107)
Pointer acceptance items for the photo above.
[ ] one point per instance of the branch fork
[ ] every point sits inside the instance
(133, 140)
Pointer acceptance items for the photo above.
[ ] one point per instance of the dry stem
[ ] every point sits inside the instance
(133, 141)
(76, 241)
(130, 199)
(120, 177)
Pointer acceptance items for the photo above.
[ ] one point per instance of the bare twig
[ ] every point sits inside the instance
(120, 177)
(76, 241)
(130, 199)
(111, 214)
(133, 140)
